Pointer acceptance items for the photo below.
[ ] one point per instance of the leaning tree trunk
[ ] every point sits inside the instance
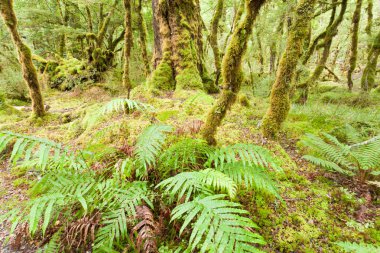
(213, 38)
(25, 57)
(369, 73)
(279, 100)
(177, 23)
(231, 70)
(354, 43)
(329, 34)
(128, 40)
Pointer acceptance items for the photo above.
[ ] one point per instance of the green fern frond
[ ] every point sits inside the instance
(327, 164)
(248, 154)
(188, 183)
(54, 244)
(185, 154)
(218, 225)
(251, 177)
(148, 146)
(44, 151)
(124, 105)
(358, 248)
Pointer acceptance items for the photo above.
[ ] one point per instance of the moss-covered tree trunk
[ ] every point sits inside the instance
(354, 43)
(279, 100)
(180, 67)
(25, 58)
(64, 19)
(128, 40)
(231, 70)
(328, 35)
(369, 73)
(141, 25)
(213, 38)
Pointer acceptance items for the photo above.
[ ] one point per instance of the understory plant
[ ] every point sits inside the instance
(358, 158)
(75, 205)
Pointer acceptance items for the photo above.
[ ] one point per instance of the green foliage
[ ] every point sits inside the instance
(218, 225)
(148, 146)
(125, 105)
(41, 152)
(358, 247)
(184, 155)
(333, 155)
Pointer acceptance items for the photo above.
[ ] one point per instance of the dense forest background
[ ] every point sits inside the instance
(189, 126)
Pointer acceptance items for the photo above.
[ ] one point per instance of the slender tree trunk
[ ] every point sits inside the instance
(89, 19)
(128, 40)
(368, 28)
(213, 38)
(369, 73)
(329, 34)
(142, 38)
(64, 20)
(157, 53)
(25, 58)
(354, 43)
(232, 70)
(279, 100)
(261, 54)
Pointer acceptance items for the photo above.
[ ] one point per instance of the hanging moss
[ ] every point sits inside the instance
(279, 100)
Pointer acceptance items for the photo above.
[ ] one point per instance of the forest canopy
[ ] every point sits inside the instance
(189, 126)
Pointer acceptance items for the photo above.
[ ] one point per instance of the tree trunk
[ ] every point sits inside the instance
(329, 34)
(25, 58)
(178, 27)
(128, 40)
(279, 100)
(354, 43)
(157, 53)
(231, 70)
(142, 38)
(213, 38)
(369, 73)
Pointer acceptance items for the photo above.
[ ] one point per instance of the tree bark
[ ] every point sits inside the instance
(178, 27)
(141, 25)
(232, 70)
(25, 58)
(213, 38)
(128, 40)
(369, 73)
(329, 34)
(279, 100)
(354, 43)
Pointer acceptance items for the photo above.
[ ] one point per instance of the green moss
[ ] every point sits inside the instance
(165, 115)
(162, 77)
(189, 79)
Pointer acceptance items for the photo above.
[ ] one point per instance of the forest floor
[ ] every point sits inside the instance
(318, 208)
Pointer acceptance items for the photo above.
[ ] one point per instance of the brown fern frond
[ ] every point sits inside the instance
(146, 230)
(81, 232)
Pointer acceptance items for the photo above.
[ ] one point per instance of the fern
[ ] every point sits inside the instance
(148, 146)
(331, 154)
(218, 225)
(248, 154)
(54, 244)
(188, 183)
(358, 248)
(44, 151)
(124, 105)
(251, 177)
(186, 154)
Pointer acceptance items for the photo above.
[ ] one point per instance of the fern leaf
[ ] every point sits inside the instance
(358, 248)
(188, 183)
(149, 144)
(218, 225)
(124, 104)
(327, 164)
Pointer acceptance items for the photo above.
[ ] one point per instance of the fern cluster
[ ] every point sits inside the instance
(104, 211)
(125, 105)
(358, 247)
(359, 159)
